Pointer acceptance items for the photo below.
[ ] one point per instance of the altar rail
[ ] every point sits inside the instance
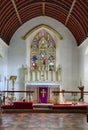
(53, 91)
(73, 94)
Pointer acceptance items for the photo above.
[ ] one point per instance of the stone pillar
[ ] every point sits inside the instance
(36, 76)
(26, 74)
(39, 74)
(42, 75)
(46, 74)
(59, 74)
(52, 75)
(30, 75)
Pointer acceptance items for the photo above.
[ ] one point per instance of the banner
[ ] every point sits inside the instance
(43, 94)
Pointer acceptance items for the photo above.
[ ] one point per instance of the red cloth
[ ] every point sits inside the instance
(87, 117)
(57, 106)
(18, 105)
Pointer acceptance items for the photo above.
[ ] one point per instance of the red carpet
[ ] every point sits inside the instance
(48, 108)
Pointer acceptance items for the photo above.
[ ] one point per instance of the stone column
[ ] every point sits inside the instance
(57, 75)
(31, 75)
(46, 74)
(36, 76)
(52, 75)
(26, 74)
(39, 74)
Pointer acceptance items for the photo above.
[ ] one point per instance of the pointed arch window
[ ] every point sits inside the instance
(43, 52)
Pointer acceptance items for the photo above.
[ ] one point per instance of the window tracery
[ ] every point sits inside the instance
(43, 52)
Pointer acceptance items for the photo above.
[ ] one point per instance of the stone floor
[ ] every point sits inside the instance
(43, 121)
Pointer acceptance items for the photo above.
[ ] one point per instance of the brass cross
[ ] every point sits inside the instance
(43, 92)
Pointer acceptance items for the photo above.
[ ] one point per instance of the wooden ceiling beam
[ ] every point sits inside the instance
(70, 11)
(43, 8)
(18, 16)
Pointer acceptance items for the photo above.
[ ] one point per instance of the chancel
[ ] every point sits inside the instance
(42, 72)
(46, 71)
(43, 56)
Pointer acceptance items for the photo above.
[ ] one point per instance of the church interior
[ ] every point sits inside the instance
(44, 64)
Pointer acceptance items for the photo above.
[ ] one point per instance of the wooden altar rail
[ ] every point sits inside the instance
(85, 92)
(15, 91)
(74, 93)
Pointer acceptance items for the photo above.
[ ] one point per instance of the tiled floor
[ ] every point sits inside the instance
(43, 121)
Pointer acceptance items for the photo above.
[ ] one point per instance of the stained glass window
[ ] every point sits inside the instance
(43, 51)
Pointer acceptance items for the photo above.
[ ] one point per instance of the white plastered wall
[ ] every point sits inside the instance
(83, 66)
(3, 64)
(67, 52)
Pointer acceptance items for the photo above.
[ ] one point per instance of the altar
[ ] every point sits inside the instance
(42, 83)
(42, 92)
